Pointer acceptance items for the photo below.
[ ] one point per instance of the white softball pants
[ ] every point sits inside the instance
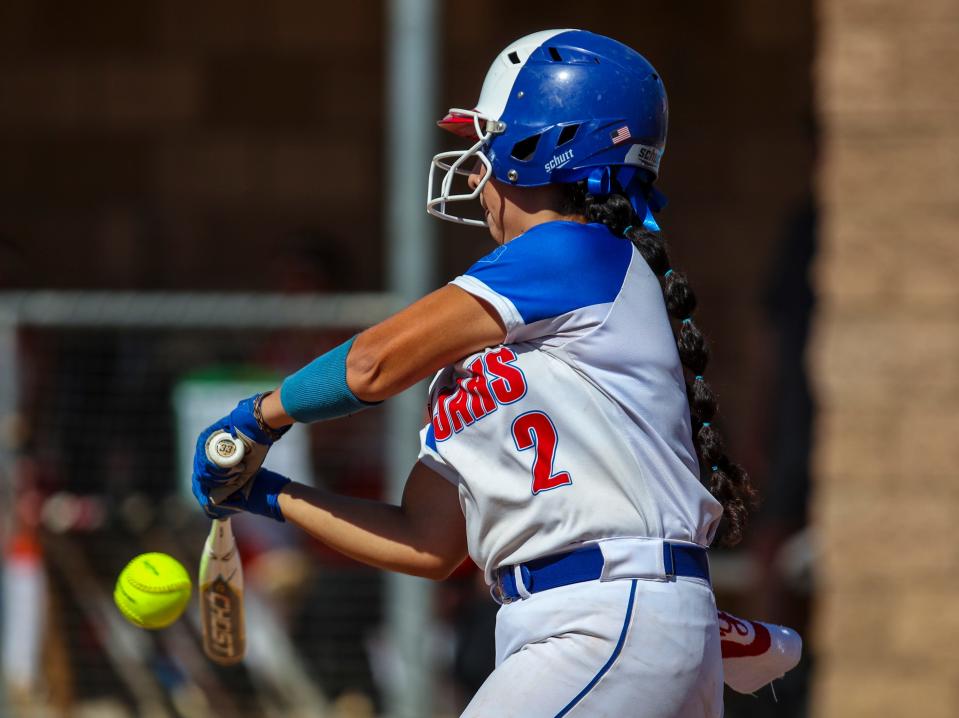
(629, 648)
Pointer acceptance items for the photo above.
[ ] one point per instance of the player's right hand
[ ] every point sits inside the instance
(246, 423)
(243, 425)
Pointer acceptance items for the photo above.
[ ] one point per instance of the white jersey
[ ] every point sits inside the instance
(577, 427)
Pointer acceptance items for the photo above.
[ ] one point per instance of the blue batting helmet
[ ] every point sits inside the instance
(561, 106)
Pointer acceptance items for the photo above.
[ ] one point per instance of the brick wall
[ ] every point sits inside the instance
(886, 359)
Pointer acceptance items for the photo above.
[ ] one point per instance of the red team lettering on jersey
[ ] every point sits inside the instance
(493, 380)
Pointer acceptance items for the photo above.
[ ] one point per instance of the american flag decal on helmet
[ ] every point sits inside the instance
(620, 135)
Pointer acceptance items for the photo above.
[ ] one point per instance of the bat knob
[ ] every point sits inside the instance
(224, 450)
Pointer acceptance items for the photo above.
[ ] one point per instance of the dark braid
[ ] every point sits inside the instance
(726, 481)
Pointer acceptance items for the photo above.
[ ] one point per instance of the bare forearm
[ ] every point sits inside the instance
(273, 412)
(435, 331)
(382, 361)
(373, 532)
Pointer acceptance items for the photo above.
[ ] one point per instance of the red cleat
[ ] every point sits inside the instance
(755, 653)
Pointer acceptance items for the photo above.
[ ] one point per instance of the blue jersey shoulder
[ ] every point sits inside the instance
(555, 268)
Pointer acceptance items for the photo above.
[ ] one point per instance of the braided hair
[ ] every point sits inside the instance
(726, 481)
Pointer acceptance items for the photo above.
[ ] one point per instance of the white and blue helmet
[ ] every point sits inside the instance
(560, 106)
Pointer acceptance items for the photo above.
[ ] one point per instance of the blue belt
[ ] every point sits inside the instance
(586, 564)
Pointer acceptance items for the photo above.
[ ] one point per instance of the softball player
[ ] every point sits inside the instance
(569, 448)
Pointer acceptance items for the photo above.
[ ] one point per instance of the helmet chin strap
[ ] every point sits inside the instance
(644, 198)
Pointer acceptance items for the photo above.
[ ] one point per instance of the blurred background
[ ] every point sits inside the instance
(200, 197)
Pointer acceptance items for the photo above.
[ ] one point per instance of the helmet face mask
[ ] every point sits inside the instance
(559, 106)
(457, 162)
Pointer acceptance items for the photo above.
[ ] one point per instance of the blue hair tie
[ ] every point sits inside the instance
(688, 320)
(699, 377)
(706, 423)
(600, 182)
(668, 272)
(715, 468)
(625, 231)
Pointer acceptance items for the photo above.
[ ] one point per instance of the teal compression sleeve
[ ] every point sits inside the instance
(319, 390)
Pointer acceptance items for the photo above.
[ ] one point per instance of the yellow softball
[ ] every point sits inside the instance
(152, 590)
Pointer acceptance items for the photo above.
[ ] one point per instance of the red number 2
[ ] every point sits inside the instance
(535, 430)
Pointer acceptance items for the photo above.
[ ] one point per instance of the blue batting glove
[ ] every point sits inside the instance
(202, 464)
(243, 421)
(257, 438)
(259, 495)
(244, 487)
(256, 494)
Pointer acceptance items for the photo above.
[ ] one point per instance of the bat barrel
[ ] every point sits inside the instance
(221, 596)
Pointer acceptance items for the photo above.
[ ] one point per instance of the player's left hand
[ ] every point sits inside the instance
(260, 495)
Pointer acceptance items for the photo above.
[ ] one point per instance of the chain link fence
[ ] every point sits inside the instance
(102, 396)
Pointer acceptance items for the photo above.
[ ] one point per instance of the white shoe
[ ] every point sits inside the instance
(755, 653)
